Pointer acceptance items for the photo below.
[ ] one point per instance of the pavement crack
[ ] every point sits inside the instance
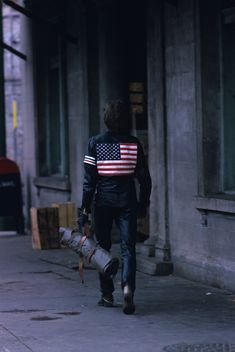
(22, 311)
(16, 337)
(65, 264)
(44, 318)
(42, 272)
(69, 313)
(63, 276)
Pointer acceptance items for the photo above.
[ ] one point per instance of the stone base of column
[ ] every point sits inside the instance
(151, 266)
(151, 260)
(147, 249)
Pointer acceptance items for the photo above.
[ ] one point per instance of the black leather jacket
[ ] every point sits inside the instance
(112, 163)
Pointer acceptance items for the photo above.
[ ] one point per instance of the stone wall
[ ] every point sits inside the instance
(13, 85)
(201, 232)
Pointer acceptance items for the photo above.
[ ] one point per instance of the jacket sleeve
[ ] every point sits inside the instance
(143, 176)
(90, 176)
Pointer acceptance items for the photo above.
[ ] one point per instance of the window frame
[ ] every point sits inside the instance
(209, 98)
(42, 36)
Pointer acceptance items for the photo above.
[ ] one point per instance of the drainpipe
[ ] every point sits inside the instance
(2, 95)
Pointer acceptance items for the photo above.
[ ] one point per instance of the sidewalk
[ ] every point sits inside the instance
(45, 308)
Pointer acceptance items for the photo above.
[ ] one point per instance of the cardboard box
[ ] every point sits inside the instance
(45, 228)
(67, 214)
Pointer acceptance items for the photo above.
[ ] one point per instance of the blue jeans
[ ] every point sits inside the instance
(126, 222)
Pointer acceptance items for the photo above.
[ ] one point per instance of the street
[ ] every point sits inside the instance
(44, 307)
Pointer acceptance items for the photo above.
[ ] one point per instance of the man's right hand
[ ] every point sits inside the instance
(84, 223)
(86, 230)
(83, 219)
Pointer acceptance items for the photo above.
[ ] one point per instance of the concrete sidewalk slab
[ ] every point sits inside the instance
(44, 307)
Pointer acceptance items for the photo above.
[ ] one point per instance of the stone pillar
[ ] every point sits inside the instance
(29, 117)
(78, 109)
(157, 245)
(156, 121)
(2, 99)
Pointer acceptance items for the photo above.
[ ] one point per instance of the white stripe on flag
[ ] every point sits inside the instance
(89, 160)
(102, 167)
(89, 157)
(116, 162)
(130, 146)
(116, 173)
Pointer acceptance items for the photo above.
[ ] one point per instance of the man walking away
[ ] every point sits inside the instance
(114, 159)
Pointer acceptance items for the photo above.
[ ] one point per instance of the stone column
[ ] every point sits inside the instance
(78, 109)
(28, 116)
(2, 99)
(157, 246)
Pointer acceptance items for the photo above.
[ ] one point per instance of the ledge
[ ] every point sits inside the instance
(57, 183)
(219, 203)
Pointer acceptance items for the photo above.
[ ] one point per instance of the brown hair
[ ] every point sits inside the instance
(117, 116)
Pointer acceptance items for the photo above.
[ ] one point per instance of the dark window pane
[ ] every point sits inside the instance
(228, 74)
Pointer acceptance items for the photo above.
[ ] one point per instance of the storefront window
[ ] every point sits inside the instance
(50, 63)
(217, 77)
(228, 94)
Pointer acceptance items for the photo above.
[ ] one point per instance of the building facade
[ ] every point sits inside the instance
(173, 62)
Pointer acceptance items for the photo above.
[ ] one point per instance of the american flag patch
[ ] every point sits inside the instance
(116, 159)
(89, 160)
